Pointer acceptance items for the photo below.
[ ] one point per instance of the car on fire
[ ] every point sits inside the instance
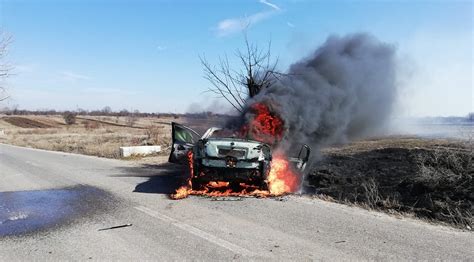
(217, 156)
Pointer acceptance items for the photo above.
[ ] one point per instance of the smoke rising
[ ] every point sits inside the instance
(346, 89)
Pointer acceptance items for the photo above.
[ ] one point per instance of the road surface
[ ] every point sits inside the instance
(52, 206)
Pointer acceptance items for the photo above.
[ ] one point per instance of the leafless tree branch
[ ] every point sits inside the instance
(5, 69)
(258, 71)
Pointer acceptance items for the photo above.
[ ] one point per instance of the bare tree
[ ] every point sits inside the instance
(4, 67)
(132, 118)
(106, 110)
(258, 72)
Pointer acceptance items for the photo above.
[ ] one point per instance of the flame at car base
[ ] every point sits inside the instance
(281, 180)
(266, 127)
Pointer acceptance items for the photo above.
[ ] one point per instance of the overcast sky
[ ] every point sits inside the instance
(144, 55)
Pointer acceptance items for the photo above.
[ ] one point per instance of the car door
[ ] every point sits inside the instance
(303, 157)
(183, 139)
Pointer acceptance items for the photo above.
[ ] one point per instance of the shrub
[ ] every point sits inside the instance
(154, 135)
(69, 118)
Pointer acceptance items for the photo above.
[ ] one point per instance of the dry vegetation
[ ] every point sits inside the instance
(97, 136)
(431, 179)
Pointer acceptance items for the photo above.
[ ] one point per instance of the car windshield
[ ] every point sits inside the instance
(224, 133)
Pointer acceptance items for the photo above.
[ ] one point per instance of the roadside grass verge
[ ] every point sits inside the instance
(86, 137)
(429, 179)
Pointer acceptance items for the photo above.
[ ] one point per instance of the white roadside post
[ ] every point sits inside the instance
(127, 151)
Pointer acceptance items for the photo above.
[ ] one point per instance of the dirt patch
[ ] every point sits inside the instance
(24, 122)
(109, 123)
(434, 181)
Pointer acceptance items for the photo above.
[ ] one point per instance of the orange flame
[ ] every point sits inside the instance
(180, 193)
(265, 126)
(191, 165)
(184, 191)
(282, 179)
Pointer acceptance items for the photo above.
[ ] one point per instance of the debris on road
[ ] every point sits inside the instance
(282, 198)
(115, 227)
(226, 199)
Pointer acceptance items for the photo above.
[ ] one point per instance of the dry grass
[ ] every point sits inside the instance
(429, 179)
(89, 137)
(408, 142)
(95, 135)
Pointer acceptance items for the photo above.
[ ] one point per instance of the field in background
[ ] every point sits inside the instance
(94, 135)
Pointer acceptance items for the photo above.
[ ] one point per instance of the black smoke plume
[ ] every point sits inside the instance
(346, 89)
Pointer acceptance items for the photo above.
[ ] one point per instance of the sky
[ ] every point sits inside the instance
(144, 55)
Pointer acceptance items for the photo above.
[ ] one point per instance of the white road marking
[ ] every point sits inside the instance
(197, 232)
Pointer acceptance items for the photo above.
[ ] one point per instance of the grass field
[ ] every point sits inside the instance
(97, 136)
(426, 178)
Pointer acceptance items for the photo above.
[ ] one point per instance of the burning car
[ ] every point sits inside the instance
(220, 159)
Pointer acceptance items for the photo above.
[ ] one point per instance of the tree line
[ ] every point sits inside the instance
(106, 111)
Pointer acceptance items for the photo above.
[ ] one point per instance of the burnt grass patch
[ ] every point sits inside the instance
(433, 182)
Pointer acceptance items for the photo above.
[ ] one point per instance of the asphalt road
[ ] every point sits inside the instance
(52, 206)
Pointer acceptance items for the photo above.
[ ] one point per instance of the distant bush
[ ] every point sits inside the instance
(69, 118)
